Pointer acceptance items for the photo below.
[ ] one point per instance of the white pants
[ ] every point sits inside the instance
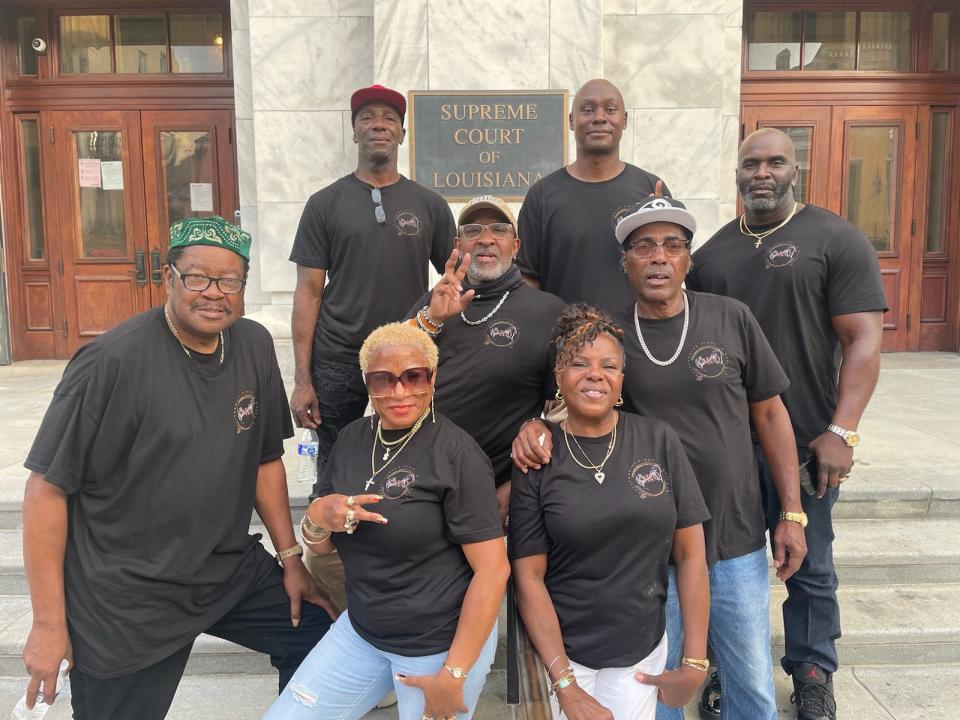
(616, 688)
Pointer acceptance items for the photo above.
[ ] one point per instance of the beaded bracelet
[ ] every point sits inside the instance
(423, 325)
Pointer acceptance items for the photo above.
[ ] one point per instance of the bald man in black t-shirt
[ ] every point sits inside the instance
(813, 282)
(568, 218)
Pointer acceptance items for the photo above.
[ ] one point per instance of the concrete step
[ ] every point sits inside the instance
(863, 693)
(865, 551)
(210, 655)
(890, 624)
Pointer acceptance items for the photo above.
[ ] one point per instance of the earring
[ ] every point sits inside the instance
(619, 402)
(558, 395)
(433, 411)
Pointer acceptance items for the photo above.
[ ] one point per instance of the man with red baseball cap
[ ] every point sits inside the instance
(371, 235)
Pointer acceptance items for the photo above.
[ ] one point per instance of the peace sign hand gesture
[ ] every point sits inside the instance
(448, 297)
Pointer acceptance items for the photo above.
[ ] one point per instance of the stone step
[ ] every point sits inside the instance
(210, 655)
(863, 693)
(890, 624)
(865, 552)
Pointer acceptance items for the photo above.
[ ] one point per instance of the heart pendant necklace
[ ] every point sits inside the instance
(598, 474)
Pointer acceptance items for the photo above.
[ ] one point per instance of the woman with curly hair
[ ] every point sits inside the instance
(592, 533)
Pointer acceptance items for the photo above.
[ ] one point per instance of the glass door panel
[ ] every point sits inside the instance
(188, 173)
(101, 233)
(872, 177)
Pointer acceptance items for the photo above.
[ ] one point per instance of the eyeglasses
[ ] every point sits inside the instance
(378, 210)
(500, 230)
(415, 381)
(674, 247)
(199, 283)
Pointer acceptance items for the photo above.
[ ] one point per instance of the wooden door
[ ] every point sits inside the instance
(873, 167)
(99, 245)
(809, 128)
(189, 171)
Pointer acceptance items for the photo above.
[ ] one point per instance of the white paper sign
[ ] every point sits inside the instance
(111, 174)
(89, 172)
(201, 197)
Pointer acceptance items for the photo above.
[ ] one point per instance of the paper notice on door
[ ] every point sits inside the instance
(111, 174)
(201, 197)
(89, 172)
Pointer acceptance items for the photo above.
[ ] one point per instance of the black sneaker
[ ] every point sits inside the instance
(813, 693)
(710, 698)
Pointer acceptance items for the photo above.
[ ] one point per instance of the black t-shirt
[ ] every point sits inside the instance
(375, 271)
(406, 580)
(566, 227)
(495, 375)
(158, 454)
(725, 364)
(608, 545)
(815, 267)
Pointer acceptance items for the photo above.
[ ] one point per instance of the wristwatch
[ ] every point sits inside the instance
(850, 437)
(456, 672)
(800, 517)
(289, 552)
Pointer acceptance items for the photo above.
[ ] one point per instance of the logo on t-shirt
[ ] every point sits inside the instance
(407, 223)
(245, 411)
(398, 483)
(620, 213)
(707, 361)
(502, 333)
(782, 255)
(648, 479)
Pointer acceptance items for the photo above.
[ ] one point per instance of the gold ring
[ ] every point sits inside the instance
(350, 501)
(349, 519)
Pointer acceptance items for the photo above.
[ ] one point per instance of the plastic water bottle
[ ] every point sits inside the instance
(307, 450)
(40, 708)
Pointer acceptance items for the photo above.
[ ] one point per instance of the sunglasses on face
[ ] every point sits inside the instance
(415, 381)
(499, 230)
(673, 247)
(378, 210)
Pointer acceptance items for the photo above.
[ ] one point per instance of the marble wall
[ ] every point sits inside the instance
(296, 62)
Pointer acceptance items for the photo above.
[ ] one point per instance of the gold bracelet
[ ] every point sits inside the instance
(311, 526)
(311, 534)
(563, 682)
(701, 665)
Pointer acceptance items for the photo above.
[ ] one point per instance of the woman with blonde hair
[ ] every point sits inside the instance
(408, 501)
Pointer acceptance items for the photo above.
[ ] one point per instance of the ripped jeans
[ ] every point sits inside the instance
(344, 677)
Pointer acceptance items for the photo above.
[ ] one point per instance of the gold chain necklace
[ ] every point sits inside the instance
(176, 334)
(389, 444)
(761, 236)
(598, 475)
(374, 470)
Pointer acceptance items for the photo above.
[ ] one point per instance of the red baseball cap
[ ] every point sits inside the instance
(377, 93)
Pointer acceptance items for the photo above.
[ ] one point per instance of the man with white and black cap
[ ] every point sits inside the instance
(493, 333)
(372, 234)
(701, 363)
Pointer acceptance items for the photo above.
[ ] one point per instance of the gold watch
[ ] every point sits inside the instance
(800, 517)
(456, 672)
(850, 437)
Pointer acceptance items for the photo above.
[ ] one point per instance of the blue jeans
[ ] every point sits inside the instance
(344, 677)
(739, 634)
(811, 612)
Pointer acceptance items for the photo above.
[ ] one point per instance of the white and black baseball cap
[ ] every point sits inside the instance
(656, 209)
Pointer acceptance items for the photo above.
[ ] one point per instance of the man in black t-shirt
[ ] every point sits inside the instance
(568, 218)
(813, 282)
(495, 363)
(371, 234)
(162, 437)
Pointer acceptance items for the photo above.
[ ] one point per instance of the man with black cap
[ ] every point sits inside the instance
(813, 281)
(162, 437)
(567, 219)
(701, 363)
(371, 234)
(493, 333)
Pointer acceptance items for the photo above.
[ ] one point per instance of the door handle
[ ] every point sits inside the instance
(141, 268)
(155, 273)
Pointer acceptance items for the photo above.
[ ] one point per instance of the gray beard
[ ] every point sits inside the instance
(764, 206)
(477, 276)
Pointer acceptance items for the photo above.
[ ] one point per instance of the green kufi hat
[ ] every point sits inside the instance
(213, 231)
